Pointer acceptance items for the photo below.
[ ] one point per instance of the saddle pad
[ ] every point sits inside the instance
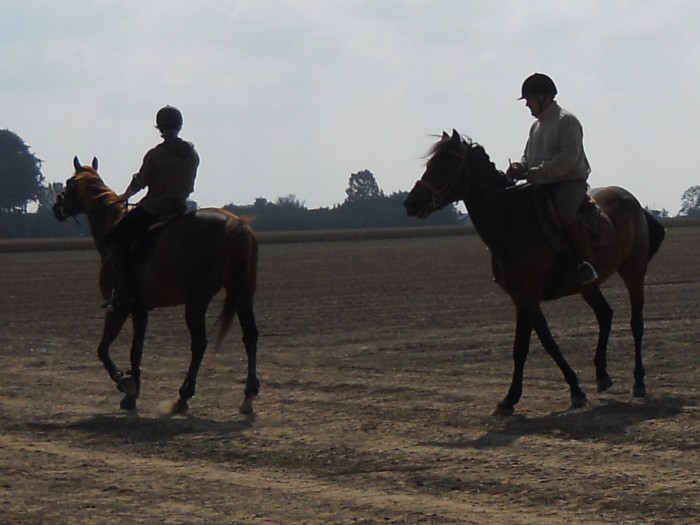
(598, 224)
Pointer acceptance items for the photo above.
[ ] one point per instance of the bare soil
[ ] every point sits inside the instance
(381, 361)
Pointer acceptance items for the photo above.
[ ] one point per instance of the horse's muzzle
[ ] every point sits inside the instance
(59, 212)
(411, 208)
(414, 208)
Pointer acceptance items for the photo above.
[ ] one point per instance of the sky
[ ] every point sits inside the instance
(291, 97)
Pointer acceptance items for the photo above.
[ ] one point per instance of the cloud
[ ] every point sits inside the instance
(291, 97)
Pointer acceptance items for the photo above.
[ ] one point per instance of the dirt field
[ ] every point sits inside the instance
(381, 362)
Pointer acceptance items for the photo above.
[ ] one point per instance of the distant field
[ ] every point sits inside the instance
(382, 355)
(54, 244)
(61, 244)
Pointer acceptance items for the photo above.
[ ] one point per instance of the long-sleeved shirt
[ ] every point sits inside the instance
(169, 171)
(555, 144)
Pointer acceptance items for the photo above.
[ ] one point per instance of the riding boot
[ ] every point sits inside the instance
(123, 294)
(581, 242)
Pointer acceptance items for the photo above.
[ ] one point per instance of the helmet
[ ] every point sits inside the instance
(169, 117)
(537, 84)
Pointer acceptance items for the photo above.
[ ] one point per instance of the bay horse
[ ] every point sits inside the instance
(189, 260)
(525, 264)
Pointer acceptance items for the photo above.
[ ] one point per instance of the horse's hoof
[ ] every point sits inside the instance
(603, 383)
(503, 410)
(127, 385)
(247, 405)
(578, 401)
(180, 407)
(639, 391)
(128, 403)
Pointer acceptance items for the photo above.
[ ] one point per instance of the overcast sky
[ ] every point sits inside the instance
(293, 96)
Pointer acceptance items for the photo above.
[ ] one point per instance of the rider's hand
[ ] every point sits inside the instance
(516, 171)
(533, 173)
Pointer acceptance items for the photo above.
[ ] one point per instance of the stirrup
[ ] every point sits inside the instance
(586, 273)
(107, 305)
(117, 300)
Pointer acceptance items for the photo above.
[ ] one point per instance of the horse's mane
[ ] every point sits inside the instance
(94, 189)
(477, 157)
(480, 161)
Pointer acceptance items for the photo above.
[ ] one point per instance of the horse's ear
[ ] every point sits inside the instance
(445, 136)
(455, 135)
(76, 164)
(94, 163)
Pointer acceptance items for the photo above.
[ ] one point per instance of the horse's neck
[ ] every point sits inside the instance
(494, 206)
(102, 218)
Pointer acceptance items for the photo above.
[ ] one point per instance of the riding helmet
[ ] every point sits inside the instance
(169, 117)
(537, 84)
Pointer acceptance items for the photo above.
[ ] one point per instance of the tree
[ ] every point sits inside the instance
(659, 214)
(290, 201)
(362, 187)
(20, 174)
(690, 203)
(47, 195)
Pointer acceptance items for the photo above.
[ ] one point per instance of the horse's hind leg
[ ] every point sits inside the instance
(578, 398)
(196, 324)
(604, 314)
(636, 294)
(633, 272)
(246, 318)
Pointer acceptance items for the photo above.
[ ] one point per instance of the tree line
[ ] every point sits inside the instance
(365, 205)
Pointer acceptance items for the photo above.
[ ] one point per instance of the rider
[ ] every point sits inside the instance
(554, 156)
(169, 170)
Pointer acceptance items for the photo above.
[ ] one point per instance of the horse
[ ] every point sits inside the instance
(188, 261)
(527, 266)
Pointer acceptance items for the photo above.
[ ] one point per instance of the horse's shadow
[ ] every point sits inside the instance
(607, 421)
(135, 428)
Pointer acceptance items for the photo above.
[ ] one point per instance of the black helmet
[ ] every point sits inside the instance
(169, 117)
(538, 84)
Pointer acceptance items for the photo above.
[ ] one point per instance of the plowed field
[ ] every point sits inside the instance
(381, 361)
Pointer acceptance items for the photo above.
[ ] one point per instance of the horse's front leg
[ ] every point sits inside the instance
(114, 321)
(130, 382)
(578, 398)
(521, 347)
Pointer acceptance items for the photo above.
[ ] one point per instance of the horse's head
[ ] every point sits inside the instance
(443, 180)
(71, 201)
(457, 169)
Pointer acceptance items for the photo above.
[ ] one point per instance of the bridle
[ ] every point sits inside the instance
(60, 199)
(58, 205)
(439, 195)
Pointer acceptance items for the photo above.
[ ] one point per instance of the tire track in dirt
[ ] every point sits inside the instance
(259, 488)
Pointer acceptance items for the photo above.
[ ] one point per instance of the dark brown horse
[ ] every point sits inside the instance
(526, 265)
(189, 260)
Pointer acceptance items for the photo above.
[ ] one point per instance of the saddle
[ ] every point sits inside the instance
(598, 224)
(142, 246)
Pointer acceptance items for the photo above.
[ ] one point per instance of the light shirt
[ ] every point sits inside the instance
(555, 144)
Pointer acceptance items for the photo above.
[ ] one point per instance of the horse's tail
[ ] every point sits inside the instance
(657, 232)
(239, 277)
